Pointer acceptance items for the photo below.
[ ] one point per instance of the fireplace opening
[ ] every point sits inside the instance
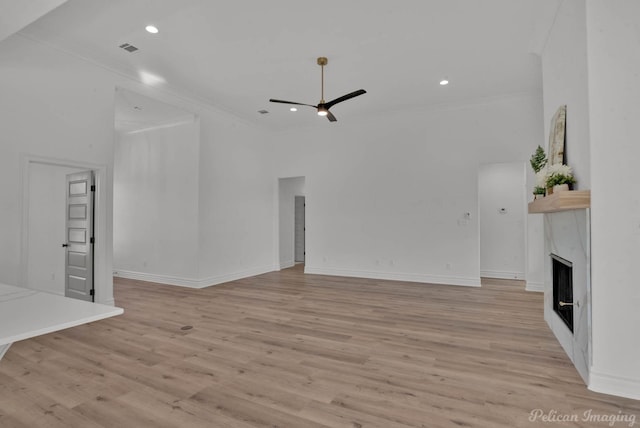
(562, 271)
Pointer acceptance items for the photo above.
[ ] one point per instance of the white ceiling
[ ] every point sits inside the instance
(15, 14)
(237, 54)
(135, 112)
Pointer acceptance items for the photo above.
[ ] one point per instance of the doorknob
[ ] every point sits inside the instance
(65, 245)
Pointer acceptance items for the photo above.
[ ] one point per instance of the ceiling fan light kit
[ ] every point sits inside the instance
(323, 107)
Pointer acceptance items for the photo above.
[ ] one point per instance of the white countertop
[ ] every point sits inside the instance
(26, 313)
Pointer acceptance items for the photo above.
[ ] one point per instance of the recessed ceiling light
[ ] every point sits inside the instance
(151, 79)
(293, 109)
(151, 29)
(444, 82)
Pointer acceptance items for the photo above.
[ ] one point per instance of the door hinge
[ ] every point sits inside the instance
(91, 292)
(93, 187)
(91, 241)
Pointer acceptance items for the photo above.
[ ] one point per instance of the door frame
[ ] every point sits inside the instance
(102, 255)
(524, 205)
(282, 191)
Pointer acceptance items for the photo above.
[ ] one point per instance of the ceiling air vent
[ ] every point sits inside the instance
(129, 48)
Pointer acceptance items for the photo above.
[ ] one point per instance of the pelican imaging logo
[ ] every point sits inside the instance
(590, 416)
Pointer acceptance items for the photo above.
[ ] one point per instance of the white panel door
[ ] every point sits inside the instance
(79, 234)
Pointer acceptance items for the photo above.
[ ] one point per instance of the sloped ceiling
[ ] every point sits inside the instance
(16, 14)
(237, 54)
(135, 112)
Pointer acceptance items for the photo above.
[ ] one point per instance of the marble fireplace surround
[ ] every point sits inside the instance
(567, 234)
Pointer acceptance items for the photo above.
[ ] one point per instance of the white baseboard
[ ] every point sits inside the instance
(4, 349)
(220, 279)
(192, 282)
(535, 286)
(161, 279)
(396, 276)
(287, 264)
(614, 385)
(501, 274)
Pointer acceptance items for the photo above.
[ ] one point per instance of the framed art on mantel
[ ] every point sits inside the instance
(557, 136)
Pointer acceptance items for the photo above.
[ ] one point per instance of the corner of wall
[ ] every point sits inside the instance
(613, 385)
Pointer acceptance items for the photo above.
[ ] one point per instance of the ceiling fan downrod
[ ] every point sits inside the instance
(322, 61)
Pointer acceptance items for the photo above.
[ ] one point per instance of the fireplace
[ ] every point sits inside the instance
(567, 241)
(562, 272)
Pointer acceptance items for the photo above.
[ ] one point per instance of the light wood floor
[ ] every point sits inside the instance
(289, 350)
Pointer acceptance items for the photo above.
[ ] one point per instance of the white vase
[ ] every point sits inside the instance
(560, 188)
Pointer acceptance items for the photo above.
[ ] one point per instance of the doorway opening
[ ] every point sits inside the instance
(45, 233)
(291, 221)
(502, 200)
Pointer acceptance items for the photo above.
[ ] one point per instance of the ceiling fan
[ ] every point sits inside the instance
(323, 107)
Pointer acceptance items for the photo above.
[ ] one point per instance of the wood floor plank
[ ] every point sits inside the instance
(250, 410)
(286, 349)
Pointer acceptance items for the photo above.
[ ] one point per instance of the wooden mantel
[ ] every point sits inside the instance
(561, 201)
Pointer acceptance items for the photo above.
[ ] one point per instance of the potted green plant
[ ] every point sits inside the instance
(538, 162)
(539, 192)
(559, 177)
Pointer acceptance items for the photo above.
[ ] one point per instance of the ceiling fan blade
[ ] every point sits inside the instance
(345, 97)
(291, 102)
(331, 117)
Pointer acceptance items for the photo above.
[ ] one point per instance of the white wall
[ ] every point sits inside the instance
(156, 193)
(385, 196)
(53, 106)
(502, 190)
(590, 63)
(214, 186)
(58, 106)
(564, 74)
(614, 90)
(237, 196)
(289, 188)
(565, 82)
